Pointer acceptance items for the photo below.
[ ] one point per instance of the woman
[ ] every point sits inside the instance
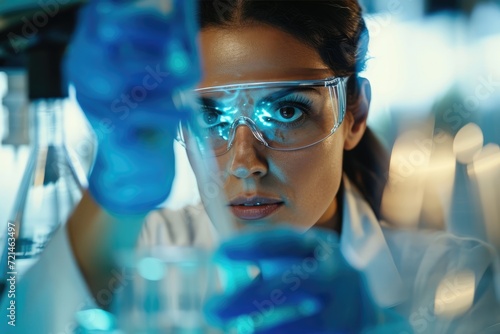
(297, 152)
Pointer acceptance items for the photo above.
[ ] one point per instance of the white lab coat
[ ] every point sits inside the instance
(403, 270)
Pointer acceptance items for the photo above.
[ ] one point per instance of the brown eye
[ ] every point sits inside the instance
(290, 109)
(287, 112)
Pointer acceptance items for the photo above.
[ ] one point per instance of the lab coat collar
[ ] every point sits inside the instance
(364, 246)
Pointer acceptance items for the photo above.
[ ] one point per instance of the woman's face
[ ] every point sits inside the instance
(295, 187)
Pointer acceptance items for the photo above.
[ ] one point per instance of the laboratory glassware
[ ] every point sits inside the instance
(53, 181)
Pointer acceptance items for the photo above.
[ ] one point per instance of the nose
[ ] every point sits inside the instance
(247, 158)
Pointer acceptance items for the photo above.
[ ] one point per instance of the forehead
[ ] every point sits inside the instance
(256, 53)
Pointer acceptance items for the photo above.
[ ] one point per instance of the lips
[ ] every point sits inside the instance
(255, 207)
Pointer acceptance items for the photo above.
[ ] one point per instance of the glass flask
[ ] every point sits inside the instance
(53, 180)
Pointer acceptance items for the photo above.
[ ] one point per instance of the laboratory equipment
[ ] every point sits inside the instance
(53, 181)
(167, 291)
(14, 103)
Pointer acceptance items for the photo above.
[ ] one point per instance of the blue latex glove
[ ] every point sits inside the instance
(127, 60)
(305, 286)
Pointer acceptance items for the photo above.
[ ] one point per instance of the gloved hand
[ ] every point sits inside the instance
(305, 286)
(127, 60)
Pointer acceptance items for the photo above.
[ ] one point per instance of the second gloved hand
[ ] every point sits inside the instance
(304, 286)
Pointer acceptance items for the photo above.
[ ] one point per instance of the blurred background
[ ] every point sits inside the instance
(435, 75)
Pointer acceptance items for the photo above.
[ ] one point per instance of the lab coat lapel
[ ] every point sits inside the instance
(365, 248)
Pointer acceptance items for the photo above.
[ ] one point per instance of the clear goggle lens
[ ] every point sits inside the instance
(284, 116)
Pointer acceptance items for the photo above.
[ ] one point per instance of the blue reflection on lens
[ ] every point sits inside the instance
(263, 116)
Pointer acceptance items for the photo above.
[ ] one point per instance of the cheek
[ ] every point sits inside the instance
(313, 176)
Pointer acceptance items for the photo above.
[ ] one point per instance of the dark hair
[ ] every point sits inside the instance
(337, 30)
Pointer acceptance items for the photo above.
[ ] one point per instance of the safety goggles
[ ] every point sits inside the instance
(283, 115)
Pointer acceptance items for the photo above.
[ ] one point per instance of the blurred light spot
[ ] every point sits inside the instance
(3, 84)
(109, 33)
(403, 195)
(243, 324)
(95, 320)
(151, 268)
(485, 171)
(166, 6)
(309, 307)
(100, 85)
(277, 315)
(253, 271)
(455, 294)
(439, 183)
(468, 141)
(487, 159)
(178, 62)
